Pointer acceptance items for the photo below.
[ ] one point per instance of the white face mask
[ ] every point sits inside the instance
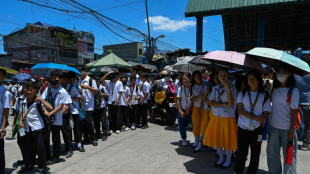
(282, 77)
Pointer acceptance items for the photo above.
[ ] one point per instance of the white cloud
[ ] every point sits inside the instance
(166, 24)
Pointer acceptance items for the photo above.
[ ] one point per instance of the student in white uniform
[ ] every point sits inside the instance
(89, 89)
(5, 98)
(253, 108)
(183, 104)
(31, 121)
(115, 100)
(133, 72)
(74, 109)
(144, 96)
(282, 121)
(124, 107)
(134, 96)
(58, 97)
(17, 106)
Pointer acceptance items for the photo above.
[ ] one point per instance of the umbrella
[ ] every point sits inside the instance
(199, 61)
(9, 71)
(111, 60)
(22, 76)
(106, 69)
(232, 59)
(45, 69)
(274, 58)
(184, 66)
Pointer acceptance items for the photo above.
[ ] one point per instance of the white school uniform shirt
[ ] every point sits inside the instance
(5, 99)
(259, 108)
(145, 88)
(205, 104)
(197, 90)
(88, 97)
(125, 94)
(33, 119)
(18, 103)
(177, 84)
(114, 89)
(281, 113)
(62, 98)
(164, 84)
(133, 93)
(103, 89)
(184, 95)
(215, 95)
(74, 106)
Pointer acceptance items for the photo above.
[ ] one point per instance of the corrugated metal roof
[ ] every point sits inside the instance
(215, 7)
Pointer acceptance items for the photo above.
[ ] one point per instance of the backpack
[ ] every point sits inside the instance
(49, 99)
(97, 99)
(82, 113)
(46, 120)
(300, 115)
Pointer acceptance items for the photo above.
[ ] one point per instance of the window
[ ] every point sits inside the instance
(140, 51)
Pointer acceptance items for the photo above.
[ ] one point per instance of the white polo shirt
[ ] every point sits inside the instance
(88, 97)
(114, 89)
(103, 89)
(33, 119)
(74, 106)
(184, 95)
(138, 81)
(164, 84)
(197, 90)
(281, 113)
(205, 104)
(5, 99)
(133, 93)
(259, 108)
(125, 94)
(220, 95)
(62, 97)
(145, 89)
(18, 103)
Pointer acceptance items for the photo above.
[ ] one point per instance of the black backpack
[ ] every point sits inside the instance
(49, 99)
(97, 97)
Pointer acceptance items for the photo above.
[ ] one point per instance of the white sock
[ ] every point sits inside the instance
(196, 141)
(214, 148)
(221, 160)
(79, 145)
(228, 158)
(200, 143)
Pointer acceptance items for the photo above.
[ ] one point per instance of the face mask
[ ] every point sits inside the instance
(124, 83)
(54, 82)
(282, 77)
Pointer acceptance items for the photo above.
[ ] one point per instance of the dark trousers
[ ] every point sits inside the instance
(246, 139)
(77, 128)
(143, 114)
(2, 155)
(306, 137)
(100, 116)
(89, 132)
(21, 144)
(34, 145)
(65, 129)
(125, 115)
(133, 114)
(56, 141)
(116, 117)
(47, 145)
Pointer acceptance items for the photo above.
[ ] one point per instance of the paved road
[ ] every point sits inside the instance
(153, 150)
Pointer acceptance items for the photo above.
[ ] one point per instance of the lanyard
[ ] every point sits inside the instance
(28, 110)
(113, 87)
(220, 94)
(187, 97)
(253, 105)
(132, 90)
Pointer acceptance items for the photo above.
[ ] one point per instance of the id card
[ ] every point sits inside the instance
(21, 132)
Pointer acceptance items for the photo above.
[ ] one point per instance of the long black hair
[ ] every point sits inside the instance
(193, 81)
(291, 81)
(212, 76)
(258, 76)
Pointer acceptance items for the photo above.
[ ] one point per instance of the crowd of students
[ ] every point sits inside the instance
(228, 115)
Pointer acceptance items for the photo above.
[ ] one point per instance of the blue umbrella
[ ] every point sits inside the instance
(45, 69)
(22, 76)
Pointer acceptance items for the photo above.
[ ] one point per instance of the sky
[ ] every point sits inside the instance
(167, 17)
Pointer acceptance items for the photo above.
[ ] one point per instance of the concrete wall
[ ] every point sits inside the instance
(128, 50)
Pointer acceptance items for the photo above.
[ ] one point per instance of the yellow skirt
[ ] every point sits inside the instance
(196, 121)
(221, 133)
(204, 122)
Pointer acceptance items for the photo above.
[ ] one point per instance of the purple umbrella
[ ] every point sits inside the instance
(233, 59)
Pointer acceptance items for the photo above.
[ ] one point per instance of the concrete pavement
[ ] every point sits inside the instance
(153, 150)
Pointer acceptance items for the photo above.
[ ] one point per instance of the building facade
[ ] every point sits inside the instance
(39, 42)
(127, 51)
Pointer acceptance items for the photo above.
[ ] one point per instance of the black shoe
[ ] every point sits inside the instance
(196, 151)
(218, 165)
(145, 127)
(109, 133)
(104, 138)
(81, 148)
(25, 169)
(225, 167)
(40, 171)
(95, 143)
(69, 154)
(2, 171)
(20, 162)
(49, 162)
(54, 161)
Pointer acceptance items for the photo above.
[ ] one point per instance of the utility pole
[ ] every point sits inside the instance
(148, 48)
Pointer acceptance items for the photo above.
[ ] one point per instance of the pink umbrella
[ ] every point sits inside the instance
(233, 59)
